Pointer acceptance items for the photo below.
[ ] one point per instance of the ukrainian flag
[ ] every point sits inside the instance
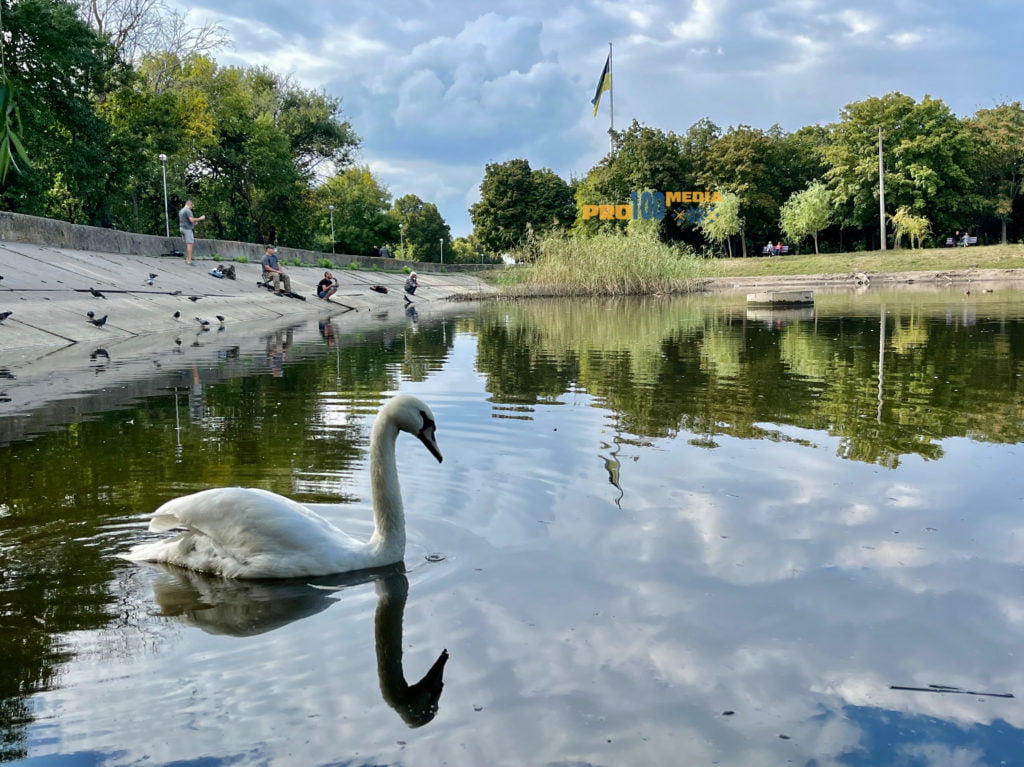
(604, 84)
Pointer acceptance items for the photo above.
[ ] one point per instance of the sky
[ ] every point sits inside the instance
(437, 90)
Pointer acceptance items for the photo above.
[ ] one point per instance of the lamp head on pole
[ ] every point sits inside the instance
(330, 207)
(163, 157)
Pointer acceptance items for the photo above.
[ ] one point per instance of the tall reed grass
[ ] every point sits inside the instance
(606, 264)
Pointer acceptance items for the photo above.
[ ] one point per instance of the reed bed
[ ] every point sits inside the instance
(606, 264)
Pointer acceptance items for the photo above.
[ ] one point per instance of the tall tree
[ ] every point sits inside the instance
(927, 152)
(641, 158)
(999, 136)
(763, 168)
(422, 228)
(139, 27)
(59, 67)
(270, 137)
(361, 204)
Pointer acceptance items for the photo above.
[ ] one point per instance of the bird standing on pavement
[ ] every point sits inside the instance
(5, 315)
(100, 322)
(97, 294)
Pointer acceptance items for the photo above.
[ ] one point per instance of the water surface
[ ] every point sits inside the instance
(665, 532)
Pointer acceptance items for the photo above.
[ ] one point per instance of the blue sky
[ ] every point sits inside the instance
(437, 89)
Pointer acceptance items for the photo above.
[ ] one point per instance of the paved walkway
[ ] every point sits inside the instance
(47, 291)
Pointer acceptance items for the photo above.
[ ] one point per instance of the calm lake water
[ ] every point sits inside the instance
(664, 532)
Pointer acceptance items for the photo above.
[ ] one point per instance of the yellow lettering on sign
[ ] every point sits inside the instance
(607, 212)
(589, 211)
(623, 211)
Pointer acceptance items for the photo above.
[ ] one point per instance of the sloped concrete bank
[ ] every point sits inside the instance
(48, 292)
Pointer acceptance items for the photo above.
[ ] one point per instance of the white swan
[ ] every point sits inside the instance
(240, 532)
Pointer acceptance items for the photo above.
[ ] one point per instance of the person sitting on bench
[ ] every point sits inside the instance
(273, 271)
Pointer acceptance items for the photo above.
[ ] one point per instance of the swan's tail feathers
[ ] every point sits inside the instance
(164, 521)
(156, 551)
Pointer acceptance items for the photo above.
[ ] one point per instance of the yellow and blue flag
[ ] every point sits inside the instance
(604, 84)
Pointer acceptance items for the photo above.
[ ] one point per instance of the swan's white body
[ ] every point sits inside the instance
(240, 532)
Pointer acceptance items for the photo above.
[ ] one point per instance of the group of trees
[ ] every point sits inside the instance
(103, 89)
(942, 173)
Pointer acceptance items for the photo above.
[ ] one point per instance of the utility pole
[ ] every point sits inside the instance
(331, 209)
(167, 214)
(881, 187)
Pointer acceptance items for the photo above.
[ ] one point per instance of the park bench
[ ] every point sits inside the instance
(970, 241)
(780, 251)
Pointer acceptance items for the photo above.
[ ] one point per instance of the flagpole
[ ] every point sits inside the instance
(611, 99)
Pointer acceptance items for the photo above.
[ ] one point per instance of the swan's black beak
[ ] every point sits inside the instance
(426, 436)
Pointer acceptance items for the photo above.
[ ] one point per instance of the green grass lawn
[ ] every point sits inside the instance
(978, 257)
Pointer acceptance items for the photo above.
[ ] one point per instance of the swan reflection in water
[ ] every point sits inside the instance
(247, 608)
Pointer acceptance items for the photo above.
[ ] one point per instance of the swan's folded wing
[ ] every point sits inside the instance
(246, 519)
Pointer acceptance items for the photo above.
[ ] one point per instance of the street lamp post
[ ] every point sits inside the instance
(442, 250)
(331, 209)
(401, 233)
(167, 214)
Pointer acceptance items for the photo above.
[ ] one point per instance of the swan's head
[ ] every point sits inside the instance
(412, 415)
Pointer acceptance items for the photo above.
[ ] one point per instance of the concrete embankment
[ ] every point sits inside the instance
(48, 291)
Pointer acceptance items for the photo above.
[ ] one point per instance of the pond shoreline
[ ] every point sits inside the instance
(859, 280)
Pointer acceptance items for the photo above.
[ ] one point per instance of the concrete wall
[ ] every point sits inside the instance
(17, 227)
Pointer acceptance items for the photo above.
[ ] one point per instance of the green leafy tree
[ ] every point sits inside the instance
(422, 227)
(501, 216)
(999, 136)
(361, 204)
(59, 69)
(763, 168)
(806, 213)
(641, 158)
(927, 151)
(515, 199)
(723, 220)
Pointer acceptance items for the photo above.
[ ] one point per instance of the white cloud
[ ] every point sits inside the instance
(859, 22)
(455, 86)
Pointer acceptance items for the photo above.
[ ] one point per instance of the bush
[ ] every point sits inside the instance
(609, 263)
(241, 259)
(325, 263)
(216, 257)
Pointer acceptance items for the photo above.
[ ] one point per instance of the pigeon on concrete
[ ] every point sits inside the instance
(97, 294)
(100, 322)
(5, 315)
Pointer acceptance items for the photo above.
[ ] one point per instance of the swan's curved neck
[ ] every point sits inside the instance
(388, 515)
